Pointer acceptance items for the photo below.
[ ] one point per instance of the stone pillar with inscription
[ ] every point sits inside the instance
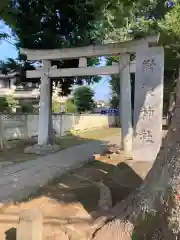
(148, 103)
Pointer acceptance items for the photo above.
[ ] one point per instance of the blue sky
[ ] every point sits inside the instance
(8, 50)
(102, 89)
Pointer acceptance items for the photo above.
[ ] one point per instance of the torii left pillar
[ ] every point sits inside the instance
(45, 112)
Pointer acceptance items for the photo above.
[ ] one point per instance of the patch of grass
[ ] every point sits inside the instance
(70, 141)
(99, 133)
(14, 152)
(81, 137)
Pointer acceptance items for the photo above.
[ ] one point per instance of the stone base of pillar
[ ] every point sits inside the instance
(42, 149)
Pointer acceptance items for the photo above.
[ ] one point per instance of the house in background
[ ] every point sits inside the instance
(23, 94)
(7, 81)
(28, 94)
(101, 106)
(8, 87)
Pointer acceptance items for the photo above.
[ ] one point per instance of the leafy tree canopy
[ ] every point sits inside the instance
(83, 99)
(54, 24)
(147, 18)
(43, 24)
(70, 106)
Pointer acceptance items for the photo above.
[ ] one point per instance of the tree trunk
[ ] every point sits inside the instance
(152, 211)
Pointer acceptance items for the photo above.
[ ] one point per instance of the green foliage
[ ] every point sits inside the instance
(70, 106)
(75, 23)
(72, 24)
(115, 91)
(83, 99)
(3, 5)
(11, 101)
(149, 18)
(27, 108)
(11, 65)
(6, 103)
(3, 105)
(55, 106)
(79, 23)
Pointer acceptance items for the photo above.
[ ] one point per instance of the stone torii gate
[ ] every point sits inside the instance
(148, 88)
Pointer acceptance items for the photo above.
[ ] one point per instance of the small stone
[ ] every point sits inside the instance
(118, 151)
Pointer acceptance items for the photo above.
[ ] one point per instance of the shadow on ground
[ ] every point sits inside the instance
(80, 185)
(74, 196)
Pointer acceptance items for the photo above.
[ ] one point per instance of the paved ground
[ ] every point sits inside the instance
(20, 180)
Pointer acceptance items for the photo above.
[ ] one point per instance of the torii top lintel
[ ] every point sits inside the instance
(89, 51)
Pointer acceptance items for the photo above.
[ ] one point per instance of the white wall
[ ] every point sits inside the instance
(16, 126)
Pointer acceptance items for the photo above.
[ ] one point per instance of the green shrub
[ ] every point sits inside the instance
(27, 108)
(3, 104)
(55, 106)
(70, 106)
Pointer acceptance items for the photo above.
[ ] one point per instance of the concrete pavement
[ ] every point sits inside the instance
(18, 181)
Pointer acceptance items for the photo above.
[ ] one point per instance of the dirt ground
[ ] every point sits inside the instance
(72, 198)
(70, 203)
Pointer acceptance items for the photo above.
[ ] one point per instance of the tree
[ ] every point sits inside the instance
(70, 106)
(83, 99)
(115, 91)
(4, 5)
(70, 24)
(147, 18)
(55, 106)
(10, 65)
(3, 104)
(75, 23)
(152, 211)
(11, 101)
(7, 103)
(27, 108)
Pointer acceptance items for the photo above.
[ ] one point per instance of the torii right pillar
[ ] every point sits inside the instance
(125, 105)
(148, 104)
